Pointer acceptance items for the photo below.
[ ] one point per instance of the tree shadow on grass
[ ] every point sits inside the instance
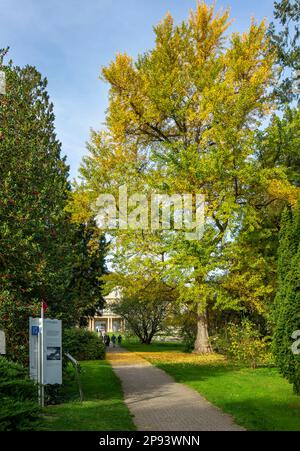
(263, 414)
(259, 399)
(89, 416)
(193, 372)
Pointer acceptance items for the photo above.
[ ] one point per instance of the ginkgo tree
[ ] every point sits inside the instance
(182, 119)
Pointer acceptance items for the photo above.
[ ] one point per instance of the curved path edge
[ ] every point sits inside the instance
(158, 403)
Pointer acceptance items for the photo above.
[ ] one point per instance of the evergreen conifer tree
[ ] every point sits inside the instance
(287, 302)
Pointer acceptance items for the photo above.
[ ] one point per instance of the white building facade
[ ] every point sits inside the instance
(106, 320)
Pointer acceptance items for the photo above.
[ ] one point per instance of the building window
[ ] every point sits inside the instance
(100, 326)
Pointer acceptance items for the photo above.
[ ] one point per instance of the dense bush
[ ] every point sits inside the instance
(244, 343)
(18, 407)
(56, 393)
(83, 344)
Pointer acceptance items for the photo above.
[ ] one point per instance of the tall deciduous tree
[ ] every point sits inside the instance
(182, 119)
(285, 37)
(279, 144)
(193, 102)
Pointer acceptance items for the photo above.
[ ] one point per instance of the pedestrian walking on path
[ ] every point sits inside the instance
(107, 340)
(120, 341)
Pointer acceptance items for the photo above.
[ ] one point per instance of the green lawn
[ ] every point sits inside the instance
(258, 399)
(135, 346)
(103, 408)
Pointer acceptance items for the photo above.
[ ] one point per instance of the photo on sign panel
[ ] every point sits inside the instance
(53, 353)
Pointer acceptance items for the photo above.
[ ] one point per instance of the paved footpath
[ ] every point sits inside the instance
(158, 403)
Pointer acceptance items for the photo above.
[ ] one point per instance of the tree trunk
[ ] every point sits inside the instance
(202, 345)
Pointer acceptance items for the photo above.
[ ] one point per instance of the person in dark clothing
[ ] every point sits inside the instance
(113, 339)
(120, 340)
(107, 340)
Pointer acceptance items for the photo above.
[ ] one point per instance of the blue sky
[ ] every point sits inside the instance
(69, 40)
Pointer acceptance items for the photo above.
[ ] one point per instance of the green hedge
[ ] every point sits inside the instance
(18, 407)
(83, 344)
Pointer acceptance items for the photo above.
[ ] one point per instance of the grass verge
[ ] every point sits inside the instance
(103, 408)
(258, 399)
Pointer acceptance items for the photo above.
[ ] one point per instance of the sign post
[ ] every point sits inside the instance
(52, 352)
(45, 352)
(41, 381)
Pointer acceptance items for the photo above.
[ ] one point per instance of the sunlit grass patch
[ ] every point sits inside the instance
(258, 399)
(182, 358)
(126, 358)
